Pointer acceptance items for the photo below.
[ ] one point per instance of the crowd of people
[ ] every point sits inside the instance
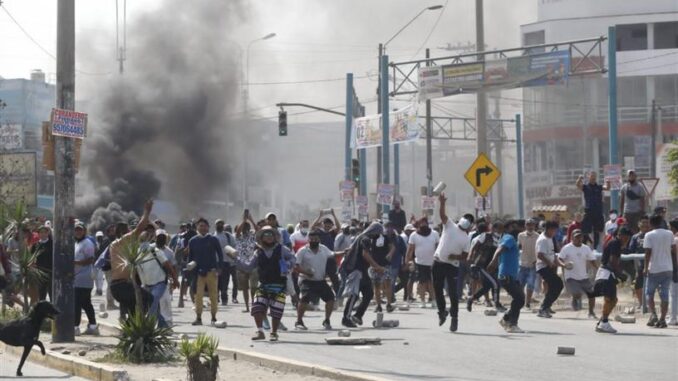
(352, 265)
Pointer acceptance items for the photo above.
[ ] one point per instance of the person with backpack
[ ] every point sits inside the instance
(154, 271)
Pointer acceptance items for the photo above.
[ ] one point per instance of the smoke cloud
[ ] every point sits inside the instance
(111, 214)
(164, 125)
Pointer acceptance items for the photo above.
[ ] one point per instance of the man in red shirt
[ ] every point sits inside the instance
(575, 225)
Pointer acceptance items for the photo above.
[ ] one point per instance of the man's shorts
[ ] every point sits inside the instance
(606, 288)
(248, 281)
(379, 277)
(527, 276)
(660, 282)
(272, 297)
(424, 273)
(580, 287)
(592, 222)
(311, 289)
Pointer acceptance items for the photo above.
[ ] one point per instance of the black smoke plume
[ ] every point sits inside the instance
(111, 214)
(166, 125)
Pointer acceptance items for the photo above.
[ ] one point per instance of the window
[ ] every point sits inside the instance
(534, 38)
(666, 35)
(632, 37)
(632, 92)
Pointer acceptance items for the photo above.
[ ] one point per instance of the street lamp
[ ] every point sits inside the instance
(383, 173)
(247, 93)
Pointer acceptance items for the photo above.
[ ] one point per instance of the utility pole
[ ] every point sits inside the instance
(481, 100)
(612, 105)
(653, 147)
(379, 109)
(64, 178)
(429, 148)
(384, 126)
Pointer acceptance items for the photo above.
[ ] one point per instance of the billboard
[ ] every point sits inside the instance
(11, 137)
(403, 127)
(69, 123)
(18, 180)
(542, 69)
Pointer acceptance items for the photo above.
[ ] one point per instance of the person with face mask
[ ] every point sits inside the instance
(273, 262)
(420, 253)
(343, 239)
(632, 201)
(611, 224)
(483, 247)
(507, 256)
(311, 263)
(300, 237)
(83, 282)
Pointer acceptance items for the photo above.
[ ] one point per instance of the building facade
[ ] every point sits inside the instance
(566, 126)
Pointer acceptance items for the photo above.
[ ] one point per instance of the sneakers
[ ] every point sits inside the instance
(390, 308)
(469, 305)
(224, 302)
(504, 324)
(551, 311)
(500, 308)
(197, 322)
(514, 329)
(282, 327)
(234, 301)
(259, 336)
(92, 329)
(274, 337)
(442, 317)
(653, 320)
(348, 323)
(661, 323)
(327, 325)
(544, 314)
(266, 324)
(357, 320)
(592, 315)
(527, 305)
(454, 324)
(605, 327)
(378, 309)
(673, 322)
(299, 325)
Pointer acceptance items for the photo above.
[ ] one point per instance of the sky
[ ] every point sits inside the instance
(315, 40)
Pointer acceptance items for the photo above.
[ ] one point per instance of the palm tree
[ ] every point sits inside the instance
(29, 272)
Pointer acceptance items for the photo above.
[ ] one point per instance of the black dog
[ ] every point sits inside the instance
(24, 332)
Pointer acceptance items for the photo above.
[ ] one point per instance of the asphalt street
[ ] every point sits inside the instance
(31, 370)
(480, 350)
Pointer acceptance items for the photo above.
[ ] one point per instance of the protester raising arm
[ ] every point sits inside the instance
(443, 215)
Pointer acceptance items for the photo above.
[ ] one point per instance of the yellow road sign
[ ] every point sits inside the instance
(482, 174)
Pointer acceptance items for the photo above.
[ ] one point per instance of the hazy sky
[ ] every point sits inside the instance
(316, 39)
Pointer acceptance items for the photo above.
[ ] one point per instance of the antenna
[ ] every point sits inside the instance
(121, 50)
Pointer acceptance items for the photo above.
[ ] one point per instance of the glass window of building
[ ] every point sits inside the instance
(666, 89)
(666, 35)
(534, 38)
(631, 37)
(632, 92)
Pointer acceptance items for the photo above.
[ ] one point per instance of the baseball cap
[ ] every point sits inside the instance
(79, 225)
(99, 234)
(219, 220)
(345, 226)
(269, 215)
(576, 232)
(464, 223)
(160, 232)
(409, 227)
(531, 221)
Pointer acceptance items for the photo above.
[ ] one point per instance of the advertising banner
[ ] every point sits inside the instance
(642, 150)
(346, 190)
(69, 123)
(464, 77)
(385, 194)
(11, 137)
(403, 127)
(613, 174)
(430, 82)
(363, 206)
(428, 203)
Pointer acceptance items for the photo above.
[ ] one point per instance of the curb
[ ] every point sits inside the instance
(281, 363)
(72, 365)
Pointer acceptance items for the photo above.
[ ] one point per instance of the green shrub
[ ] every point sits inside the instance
(141, 341)
(201, 357)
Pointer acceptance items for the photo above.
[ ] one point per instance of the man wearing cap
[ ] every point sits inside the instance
(206, 252)
(343, 239)
(527, 275)
(273, 262)
(43, 262)
(227, 274)
(576, 257)
(272, 221)
(593, 222)
(632, 200)
(83, 281)
(453, 248)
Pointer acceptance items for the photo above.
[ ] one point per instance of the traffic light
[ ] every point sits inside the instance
(355, 172)
(282, 123)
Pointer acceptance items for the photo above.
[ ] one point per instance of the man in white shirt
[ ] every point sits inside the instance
(547, 264)
(154, 271)
(575, 255)
(453, 248)
(165, 306)
(227, 272)
(420, 251)
(660, 262)
(527, 276)
(311, 262)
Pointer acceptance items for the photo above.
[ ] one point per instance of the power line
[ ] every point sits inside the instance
(36, 43)
(647, 58)
(304, 81)
(649, 67)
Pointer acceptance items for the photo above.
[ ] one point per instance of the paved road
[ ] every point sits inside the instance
(479, 351)
(31, 371)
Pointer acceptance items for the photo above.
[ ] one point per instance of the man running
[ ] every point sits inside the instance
(547, 264)
(575, 255)
(606, 278)
(483, 249)
(381, 251)
(311, 262)
(527, 275)
(509, 258)
(421, 249)
(453, 248)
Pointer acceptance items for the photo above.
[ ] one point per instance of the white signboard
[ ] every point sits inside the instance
(11, 137)
(664, 186)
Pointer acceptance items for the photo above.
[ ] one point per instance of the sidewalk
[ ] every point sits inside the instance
(31, 371)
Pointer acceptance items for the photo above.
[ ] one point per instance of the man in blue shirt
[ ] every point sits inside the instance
(206, 252)
(508, 257)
